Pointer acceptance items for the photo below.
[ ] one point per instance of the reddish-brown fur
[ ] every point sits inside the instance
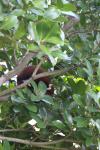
(27, 73)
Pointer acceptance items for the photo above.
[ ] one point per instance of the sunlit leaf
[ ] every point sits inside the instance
(33, 32)
(9, 22)
(21, 31)
(52, 13)
(18, 12)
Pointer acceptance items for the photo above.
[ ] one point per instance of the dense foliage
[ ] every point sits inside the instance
(64, 36)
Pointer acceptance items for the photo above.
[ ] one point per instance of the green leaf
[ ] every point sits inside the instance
(1, 147)
(65, 6)
(40, 123)
(18, 12)
(34, 98)
(21, 31)
(19, 92)
(97, 123)
(89, 70)
(59, 124)
(31, 17)
(59, 4)
(68, 7)
(72, 14)
(98, 143)
(32, 47)
(6, 145)
(51, 34)
(16, 109)
(43, 113)
(20, 2)
(61, 55)
(78, 87)
(46, 32)
(47, 99)
(33, 32)
(34, 85)
(1, 17)
(81, 122)
(67, 117)
(17, 99)
(37, 12)
(40, 4)
(42, 88)
(52, 13)
(98, 72)
(78, 99)
(81, 87)
(72, 83)
(9, 22)
(89, 141)
(95, 96)
(5, 56)
(92, 109)
(52, 59)
(55, 40)
(31, 107)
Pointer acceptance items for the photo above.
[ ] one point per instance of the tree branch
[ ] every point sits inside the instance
(17, 69)
(37, 144)
(44, 74)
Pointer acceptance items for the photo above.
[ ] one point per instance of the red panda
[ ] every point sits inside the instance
(27, 73)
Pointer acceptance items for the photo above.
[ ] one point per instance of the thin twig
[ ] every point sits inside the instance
(15, 57)
(74, 33)
(37, 68)
(16, 130)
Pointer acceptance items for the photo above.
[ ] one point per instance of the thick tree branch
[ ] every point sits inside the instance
(55, 73)
(74, 33)
(4, 98)
(37, 144)
(17, 69)
(44, 74)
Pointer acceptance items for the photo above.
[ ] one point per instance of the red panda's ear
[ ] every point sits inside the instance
(27, 73)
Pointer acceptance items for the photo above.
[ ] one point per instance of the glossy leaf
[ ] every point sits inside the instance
(9, 22)
(32, 108)
(78, 99)
(59, 124)
(42, 88)
(21, 31)
(81, 122)
(47, 99)
(34, 98)
(52, 13)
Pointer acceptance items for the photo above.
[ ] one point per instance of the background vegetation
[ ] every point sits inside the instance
(64, 38)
